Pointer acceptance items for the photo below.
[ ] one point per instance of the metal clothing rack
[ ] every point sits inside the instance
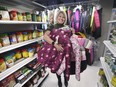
(38, 4)
(74, 3)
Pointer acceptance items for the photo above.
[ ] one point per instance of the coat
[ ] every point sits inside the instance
(50, 57)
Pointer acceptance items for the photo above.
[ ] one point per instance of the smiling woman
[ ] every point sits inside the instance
(57, 47)
(61, 18)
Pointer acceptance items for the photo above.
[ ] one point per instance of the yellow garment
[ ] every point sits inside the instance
(81, 34)
(92, 17)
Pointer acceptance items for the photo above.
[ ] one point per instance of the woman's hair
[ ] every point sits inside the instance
(51, 15)
(58, 12)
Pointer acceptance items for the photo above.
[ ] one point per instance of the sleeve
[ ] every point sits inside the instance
(50, 27)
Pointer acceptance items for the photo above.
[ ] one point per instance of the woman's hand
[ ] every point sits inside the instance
(59, 47)
(73, 30)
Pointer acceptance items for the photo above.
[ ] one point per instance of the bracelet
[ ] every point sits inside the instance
(53, 43)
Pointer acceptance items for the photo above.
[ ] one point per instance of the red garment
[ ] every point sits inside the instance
(50, 57)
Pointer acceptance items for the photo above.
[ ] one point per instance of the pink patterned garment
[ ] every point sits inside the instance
(77, 43)
(50, 57)
(76, 50)
(62, 67)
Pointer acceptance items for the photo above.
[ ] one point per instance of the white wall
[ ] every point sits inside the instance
(106, 14)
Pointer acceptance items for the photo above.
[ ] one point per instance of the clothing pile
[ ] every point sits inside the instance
(59, 61)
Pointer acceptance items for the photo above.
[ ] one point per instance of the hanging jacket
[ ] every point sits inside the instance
(84, 14)
(96, 19)
(92, 17)
(88, 21)
(70, 13)
(72, 21)
(77, 21)
(97, 32)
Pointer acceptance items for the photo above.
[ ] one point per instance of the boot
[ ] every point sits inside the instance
(65, 81)
(59, 80)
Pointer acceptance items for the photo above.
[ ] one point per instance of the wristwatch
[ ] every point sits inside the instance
(53, 43)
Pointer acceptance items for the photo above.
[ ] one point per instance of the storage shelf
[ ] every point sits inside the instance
(112, 21)
(20, 85)
(17, 45)
(107, 71)
(110, 46)
(41, 79)
(99, 84)
(16, 67)
(20, 22)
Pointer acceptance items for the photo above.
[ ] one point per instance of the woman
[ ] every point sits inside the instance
(60, 22)
(60, 47)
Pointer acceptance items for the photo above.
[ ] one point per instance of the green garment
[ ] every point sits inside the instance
(56, 26)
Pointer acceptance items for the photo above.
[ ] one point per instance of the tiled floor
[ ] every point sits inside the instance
(89, 78)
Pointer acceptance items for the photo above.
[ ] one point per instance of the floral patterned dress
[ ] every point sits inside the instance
(50, 57)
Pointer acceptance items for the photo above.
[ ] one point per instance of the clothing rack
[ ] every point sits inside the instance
(74, 3)
(38, 4)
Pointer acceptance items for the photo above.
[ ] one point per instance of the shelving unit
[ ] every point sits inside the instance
(17, 66)
(110, 46)
(14, 26)
(24, 62)
(99, 84)
(41, 79)
(20, 85)
(109, 49)
(17, 45)
(20, 22)
(112, 21)
(107, 71)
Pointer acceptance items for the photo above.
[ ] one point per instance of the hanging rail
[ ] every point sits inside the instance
(73, 4)
(38, 4)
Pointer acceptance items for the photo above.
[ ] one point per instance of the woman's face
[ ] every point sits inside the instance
(61, 18)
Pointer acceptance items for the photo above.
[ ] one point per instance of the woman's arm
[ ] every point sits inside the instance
(47, 38)
(73, 30)
(50, 41)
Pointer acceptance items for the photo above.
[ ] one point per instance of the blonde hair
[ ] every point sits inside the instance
(58, 12)
(50, 16)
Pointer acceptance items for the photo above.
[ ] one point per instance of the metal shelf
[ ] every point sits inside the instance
(112, 21)
(99, 84)
(20, 22)
(41, 79)
(17, 45)
(107, 71)
(20, 85)
(110, 46)
(16, 67)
